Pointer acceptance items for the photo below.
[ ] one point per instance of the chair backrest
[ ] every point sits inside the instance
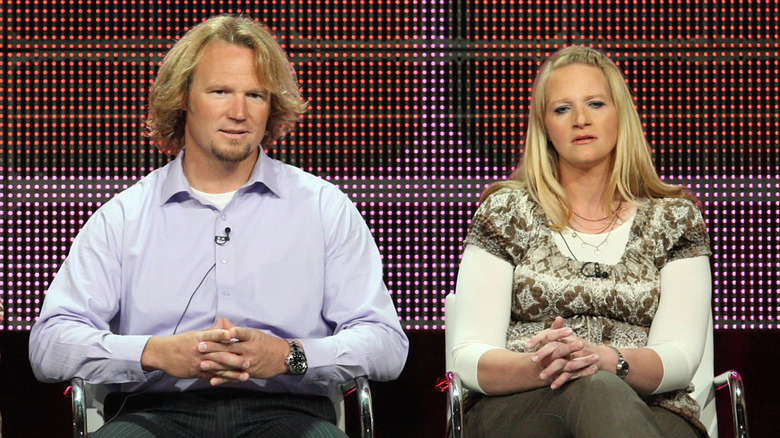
(449, 330)
(455, 389)
(704, 390)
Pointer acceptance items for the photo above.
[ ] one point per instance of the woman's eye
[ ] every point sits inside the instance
(561, 109)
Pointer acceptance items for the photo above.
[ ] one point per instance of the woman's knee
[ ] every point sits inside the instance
(600, 388)
(603, 405)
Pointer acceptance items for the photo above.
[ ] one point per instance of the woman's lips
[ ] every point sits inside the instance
(585, 139)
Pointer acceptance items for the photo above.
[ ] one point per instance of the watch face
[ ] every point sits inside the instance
(622, 368)
(297, 363)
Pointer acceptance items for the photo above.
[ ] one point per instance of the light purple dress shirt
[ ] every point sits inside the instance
(300, 263)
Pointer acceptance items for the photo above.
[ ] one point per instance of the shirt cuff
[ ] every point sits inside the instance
(320, 357)
(126, 351)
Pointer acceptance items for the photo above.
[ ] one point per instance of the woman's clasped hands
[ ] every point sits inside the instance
(561, 356)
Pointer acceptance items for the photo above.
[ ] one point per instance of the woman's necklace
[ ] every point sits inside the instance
(614, 215)
(586, 271)
(567, 246)
(596, 248)
(594, 220)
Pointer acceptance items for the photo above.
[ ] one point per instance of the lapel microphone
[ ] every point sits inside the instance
(594, 272)
(221, 240)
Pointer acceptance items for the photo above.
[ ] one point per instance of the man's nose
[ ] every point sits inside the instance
(238, 108)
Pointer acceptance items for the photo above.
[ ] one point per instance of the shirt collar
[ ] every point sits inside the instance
(263, 176)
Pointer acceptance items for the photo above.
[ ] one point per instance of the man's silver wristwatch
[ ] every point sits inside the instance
(622, 365)
(296, 360)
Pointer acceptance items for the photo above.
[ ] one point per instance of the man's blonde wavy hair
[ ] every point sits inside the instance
(168, 95)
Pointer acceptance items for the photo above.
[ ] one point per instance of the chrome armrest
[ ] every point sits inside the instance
(733, 380)
(451, 383)
(78, 402)
(365, 405)
(455, 403)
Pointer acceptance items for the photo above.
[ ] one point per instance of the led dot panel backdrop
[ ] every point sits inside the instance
(415, 107)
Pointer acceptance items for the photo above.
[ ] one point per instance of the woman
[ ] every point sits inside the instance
(584, 287)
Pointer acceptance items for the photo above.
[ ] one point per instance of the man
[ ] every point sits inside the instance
(229, 293)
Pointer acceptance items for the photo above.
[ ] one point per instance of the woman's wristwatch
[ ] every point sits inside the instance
(622, 365)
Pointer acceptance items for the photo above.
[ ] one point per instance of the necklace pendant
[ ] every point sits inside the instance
(619, 221)
(597, 252)
(583, 245)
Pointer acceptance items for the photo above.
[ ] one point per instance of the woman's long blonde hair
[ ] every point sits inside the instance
(633, 174)
(168, 95)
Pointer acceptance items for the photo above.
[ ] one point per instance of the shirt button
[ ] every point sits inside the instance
(224, 218)
(224, 261)
(226, 293)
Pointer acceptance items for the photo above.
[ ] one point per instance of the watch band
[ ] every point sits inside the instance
(622, 365)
